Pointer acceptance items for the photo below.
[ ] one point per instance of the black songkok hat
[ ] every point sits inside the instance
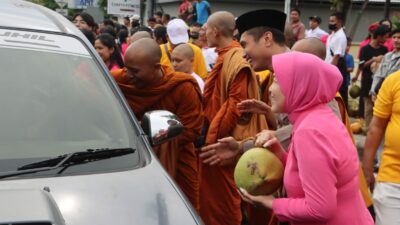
(261, 18)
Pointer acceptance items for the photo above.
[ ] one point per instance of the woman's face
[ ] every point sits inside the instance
(103, 51)
(276, 96)
(81, 24)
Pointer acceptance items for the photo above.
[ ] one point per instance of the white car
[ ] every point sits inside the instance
(71, 150)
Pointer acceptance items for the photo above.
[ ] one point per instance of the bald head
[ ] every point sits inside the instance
(185, 50)
(144, 48)
(139, 35)
(222, 21)
(312, 46)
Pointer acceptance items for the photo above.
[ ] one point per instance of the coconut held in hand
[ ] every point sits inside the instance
(259, 172)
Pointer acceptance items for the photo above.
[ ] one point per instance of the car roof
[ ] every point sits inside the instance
(26, 15)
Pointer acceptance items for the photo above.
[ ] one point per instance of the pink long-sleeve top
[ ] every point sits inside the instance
(321, 171)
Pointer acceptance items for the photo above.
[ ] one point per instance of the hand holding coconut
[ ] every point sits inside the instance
(262, 200)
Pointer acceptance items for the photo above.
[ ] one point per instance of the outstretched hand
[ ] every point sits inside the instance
(219, 153)
(253, 106)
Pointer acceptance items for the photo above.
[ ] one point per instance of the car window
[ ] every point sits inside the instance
(55, 103)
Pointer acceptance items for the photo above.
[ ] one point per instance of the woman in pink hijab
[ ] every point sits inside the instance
(321, 166)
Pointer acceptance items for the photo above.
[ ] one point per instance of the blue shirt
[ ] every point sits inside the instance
(202, 12)
(349, 64)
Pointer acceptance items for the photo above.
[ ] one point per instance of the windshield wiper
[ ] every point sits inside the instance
(64, 161)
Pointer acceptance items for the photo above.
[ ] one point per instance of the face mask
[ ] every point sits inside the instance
(332, 26)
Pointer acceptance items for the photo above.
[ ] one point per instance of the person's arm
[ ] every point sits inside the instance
(374, 137)
(335, 60)
(338, 49)
(318, 175)
(209, 9)
(382, 113)
(379, 75)
(302, 32)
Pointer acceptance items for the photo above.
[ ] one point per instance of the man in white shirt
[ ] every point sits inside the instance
(337, 41)
(182, 60)
(315, 31)
(336, 49)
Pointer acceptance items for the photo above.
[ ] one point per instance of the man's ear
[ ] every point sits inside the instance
(268, 39)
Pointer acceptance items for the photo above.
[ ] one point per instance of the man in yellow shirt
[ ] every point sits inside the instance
(385, 122)
(177, 32)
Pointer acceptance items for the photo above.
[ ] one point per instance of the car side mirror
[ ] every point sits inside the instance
(161, 126)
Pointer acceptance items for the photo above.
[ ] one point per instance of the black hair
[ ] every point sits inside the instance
(349, 40)
(109, 30)
(167, 16)
(142, 28)
(123, 34)
(381, 31)
(109, 42)
(196, 25)
(161, 33)
(339, 16)
(159, 13)
(152, 19)
(388, 20)
(108, 22)
(89, 35)
(296, 9)
(87, 18)
(114, 18)
(395, 31)
(127, 18)
(258, 32)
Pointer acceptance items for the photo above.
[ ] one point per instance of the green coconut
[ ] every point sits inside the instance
(259, 172)
(355, 91)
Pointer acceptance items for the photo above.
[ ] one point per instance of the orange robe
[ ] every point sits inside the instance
(179, 94)
(230, 82)
(363, 183)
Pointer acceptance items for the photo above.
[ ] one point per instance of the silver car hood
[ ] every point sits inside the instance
(142, 196)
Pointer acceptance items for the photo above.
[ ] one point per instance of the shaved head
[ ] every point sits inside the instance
(145, 48)
(139, 35)
(312, 46)
(142, 61)
(185, 50)
(223, 21)
(182, 58)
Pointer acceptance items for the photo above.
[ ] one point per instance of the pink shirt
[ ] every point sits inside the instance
(321, 174)
(321, 168)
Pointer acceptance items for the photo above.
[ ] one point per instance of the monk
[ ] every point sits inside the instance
(177, 33)
(139, 35)
(230, 81)
(147, 85)
(182, 58)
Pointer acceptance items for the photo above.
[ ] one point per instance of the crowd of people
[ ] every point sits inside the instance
(256, 81)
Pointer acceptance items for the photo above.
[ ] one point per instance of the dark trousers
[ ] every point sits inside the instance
(344, 92)
(361, 110)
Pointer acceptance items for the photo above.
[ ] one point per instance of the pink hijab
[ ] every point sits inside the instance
(305, 80)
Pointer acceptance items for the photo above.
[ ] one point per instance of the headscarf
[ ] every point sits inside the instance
(305, 80)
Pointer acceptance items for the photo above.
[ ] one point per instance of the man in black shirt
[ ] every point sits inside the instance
(371, 53)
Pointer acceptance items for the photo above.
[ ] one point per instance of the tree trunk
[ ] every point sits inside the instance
(358, 18)
(387, 9)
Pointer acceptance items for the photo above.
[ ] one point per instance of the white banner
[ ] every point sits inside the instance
(123, 7)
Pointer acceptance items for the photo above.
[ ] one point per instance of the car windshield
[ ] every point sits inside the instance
(56, 102)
